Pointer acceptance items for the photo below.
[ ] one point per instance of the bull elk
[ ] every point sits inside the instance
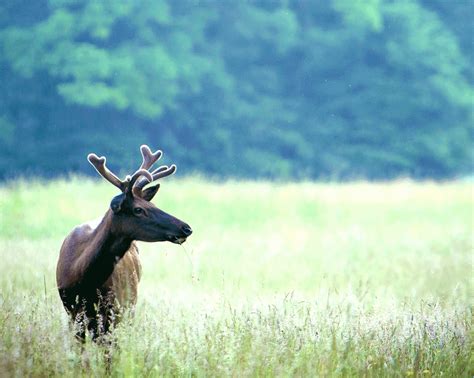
(98, 270)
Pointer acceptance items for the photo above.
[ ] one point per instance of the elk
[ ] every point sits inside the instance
(98, 270)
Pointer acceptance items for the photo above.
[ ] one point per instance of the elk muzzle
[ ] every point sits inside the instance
(186, 231)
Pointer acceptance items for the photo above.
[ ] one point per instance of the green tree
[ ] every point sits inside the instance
(315, 89)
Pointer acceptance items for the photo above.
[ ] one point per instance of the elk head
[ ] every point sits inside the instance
(133, 215)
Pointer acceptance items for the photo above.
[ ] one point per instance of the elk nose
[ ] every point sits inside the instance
(187, 230)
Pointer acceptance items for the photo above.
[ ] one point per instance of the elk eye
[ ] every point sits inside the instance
(138, 211)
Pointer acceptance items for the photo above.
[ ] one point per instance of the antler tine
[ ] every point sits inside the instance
(161, 172)
(142, 182)
(101, 168)
(158, 173)
(141, 172)
(149, 158)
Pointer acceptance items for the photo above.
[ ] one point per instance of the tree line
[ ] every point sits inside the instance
(293, 89)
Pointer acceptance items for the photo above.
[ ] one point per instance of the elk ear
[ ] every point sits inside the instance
(149, 193)
(116, 204)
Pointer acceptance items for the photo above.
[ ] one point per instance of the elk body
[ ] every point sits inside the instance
(99, 268)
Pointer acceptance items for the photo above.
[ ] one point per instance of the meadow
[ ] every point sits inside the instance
(278, 279)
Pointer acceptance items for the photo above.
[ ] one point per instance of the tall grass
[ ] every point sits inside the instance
(277, 279)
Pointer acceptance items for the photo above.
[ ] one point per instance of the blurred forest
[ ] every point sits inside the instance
(315, 89)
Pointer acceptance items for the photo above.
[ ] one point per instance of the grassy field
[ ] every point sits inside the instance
(277, 280)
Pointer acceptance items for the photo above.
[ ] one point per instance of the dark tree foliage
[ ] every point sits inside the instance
(279, 89)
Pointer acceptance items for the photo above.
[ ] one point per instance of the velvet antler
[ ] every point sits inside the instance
(149, 159)
(123, 185)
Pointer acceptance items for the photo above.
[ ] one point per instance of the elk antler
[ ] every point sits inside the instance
(140, 172)
(149, 159)
(140, 178)
(99, 165)
(123, 185)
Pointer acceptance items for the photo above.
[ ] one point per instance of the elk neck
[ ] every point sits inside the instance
(107, 247)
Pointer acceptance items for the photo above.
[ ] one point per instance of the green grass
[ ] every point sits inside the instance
(277, 280)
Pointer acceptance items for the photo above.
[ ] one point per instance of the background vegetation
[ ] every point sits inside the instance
(291, 89)
(277, 280)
